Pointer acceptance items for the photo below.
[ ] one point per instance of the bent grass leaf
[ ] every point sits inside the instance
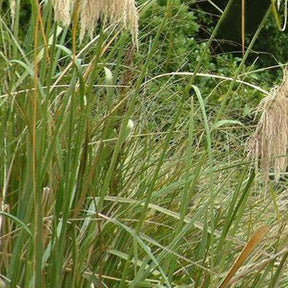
(255, 239)
(222, 123)
(17, 221)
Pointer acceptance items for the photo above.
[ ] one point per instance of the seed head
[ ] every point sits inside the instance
(63, 10)
(121, 12)
(269, 142)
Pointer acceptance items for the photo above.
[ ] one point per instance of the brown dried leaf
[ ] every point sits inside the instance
(256, 238)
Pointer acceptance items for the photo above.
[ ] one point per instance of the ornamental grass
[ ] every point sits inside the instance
(122, 12)
(268, 145)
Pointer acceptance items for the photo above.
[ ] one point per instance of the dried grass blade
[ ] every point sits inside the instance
(256, 238)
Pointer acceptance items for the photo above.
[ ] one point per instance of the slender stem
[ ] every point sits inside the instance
(243, 27)
(37, 223)
(74, 31)
(240, 67)
(213, 35)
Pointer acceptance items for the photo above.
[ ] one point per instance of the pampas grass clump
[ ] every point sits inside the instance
(269, 142)
(122, 12)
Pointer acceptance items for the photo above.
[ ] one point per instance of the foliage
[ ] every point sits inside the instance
(124, 168)
(178, 50)
(274, 51)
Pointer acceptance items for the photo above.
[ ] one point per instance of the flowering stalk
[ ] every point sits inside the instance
(121, 12)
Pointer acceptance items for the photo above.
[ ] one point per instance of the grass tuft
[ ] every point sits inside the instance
(127, 168)
(269, 142)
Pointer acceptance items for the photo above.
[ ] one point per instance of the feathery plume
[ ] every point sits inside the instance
(269, 142)
(122, 12)
(13, 10)
(63, 10)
